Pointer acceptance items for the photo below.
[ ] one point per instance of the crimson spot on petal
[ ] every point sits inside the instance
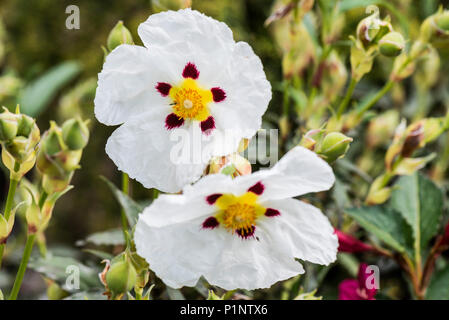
(207, 125)
(173, 121)
(210, 223)
(190, 71)
(212, 198)
(245, 234)
(163, 88)
(218, 94)
(272, 212)
(258, 188)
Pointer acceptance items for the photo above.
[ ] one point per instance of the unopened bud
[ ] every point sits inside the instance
(371, 29)
(392, 44)
(334, 146)
(121, 277)
(8, 126)
(26, 125)
(75, 134)
(435, 29)
(119, 35)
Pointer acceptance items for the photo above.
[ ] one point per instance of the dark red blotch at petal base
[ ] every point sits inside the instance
(245, 234)
(272, 212)
(190, 71)
(258, 188)
(173, 121)
(210, 223)
(163, 88)
(207, 125)
(212, 198)
(218, 94)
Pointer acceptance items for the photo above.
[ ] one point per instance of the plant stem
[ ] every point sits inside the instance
(125, 189)
(23, 266)
(344, 103)
(9, 201)
(371, 102)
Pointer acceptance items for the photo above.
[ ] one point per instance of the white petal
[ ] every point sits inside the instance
(247, 92)
(181, 253)
(185, 30)
(302, 231)
(126, 85)
(298, 172)
(147, 152)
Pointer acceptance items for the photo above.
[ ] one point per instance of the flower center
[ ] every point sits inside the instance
(239, 216)
(190, 101)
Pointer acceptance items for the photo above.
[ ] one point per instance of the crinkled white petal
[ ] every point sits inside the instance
(185, 30)
(126, 85)
(302, 231)
(299, 171)
(156, 157)
(181, 253)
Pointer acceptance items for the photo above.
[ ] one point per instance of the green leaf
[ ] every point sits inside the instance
(60, 269)
(386, 224)
(439, 286)
(132, 208)
(39, 93)
(420, 202)
(108, 238)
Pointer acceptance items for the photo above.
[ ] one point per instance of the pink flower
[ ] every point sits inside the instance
(348, 243)
(357, 289)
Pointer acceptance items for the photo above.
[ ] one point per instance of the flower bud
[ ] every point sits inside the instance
(163, 5)
(121, 277)
(119, 35)
(391, 44)
(348, 243)
(334, 146)
(26, 126)
(18, 170)
(310, 139)
(371, 29)
(75, 134)
(8, 125)
(233, 165)
(435, 29)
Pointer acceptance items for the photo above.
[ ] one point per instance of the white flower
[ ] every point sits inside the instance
(190, 76)
(240, 233)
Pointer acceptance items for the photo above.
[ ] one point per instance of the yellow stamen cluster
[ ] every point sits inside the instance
(190, 100)
(239, 212)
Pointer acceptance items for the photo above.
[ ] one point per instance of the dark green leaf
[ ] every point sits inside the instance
(132, 208)
(61, 268)
(420, 202)
(39, 93)
(386, 224)
(439, 286)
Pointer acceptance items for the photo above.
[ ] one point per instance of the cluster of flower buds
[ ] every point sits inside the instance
(399, 160)
(373, 35)
(329, 146)
(19, 136)
(60, 152)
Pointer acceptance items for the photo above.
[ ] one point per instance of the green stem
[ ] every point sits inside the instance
(22, 267)
(8, 207)
(125, 189)
(371, 102)
(344, 103)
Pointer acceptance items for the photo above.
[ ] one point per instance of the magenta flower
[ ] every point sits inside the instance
(357, 289)
(348, 243)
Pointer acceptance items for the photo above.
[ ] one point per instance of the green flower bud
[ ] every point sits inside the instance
(334, 146)
(435, 29)
(8, 125)
(121, 277)
(371, 29)
(392, 44)
(75, 134)
(119, 35)
(26, 125)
